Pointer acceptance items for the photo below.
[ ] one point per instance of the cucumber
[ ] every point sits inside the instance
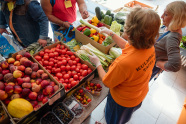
(98, 13)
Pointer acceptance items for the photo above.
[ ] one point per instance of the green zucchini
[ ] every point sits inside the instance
(98, 13)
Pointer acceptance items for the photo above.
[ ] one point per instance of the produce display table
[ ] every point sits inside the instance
(95, 102)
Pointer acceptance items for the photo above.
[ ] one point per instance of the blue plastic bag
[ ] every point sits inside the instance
(5, 47)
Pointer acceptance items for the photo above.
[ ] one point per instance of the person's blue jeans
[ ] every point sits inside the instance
(54, 27)
(154, 72)
(116, 114)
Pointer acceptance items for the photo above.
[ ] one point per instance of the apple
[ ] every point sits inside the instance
(56, 87)
(1, 77)
(2, 85)
(17, 89)
(3, 95)
(40, 97)
(19, 81)
(28, 71)
(17, 63)
(34, 103)
(9, 89)
(4, 65)
(26, 79)
(38, 81)
(26, 85)
(44, 83)
(17, 74)
(18, 57)
(36, 88)
(32, 95)
(45, 99)
(49, 89)
(25, 92)
(21, 68)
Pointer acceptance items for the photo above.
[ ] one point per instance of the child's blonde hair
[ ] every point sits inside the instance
(178, 11)
(142, 26)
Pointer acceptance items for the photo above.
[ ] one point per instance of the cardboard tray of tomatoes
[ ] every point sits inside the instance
(65, 66)
(41, 106)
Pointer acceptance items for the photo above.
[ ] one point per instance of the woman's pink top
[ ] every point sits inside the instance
(65, 14)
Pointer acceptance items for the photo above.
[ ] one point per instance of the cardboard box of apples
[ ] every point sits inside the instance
(25, 86)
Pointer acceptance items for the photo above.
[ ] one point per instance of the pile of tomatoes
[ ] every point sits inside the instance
(63, 65)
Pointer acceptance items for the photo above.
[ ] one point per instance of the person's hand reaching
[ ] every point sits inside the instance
(94, 59)
(42, 42)
(84, 14)
(106, 31)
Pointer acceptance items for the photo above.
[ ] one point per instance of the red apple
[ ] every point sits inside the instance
(26, 79)
(17, 89)
(32, 96)
(18, 57)
(38, 81)
(49, 89)
(19, 81)
(3, 95)
(17, 74)
(44, 83)
(40, 97)
(36, 88)
(26, 85)
(34, 103)
(9, 89)
(25, 92)
(2, 85)
(45, 99)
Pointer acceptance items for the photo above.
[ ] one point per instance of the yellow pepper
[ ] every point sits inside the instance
(95, 20)
(95, 24)
(92, 31)
(96, 38)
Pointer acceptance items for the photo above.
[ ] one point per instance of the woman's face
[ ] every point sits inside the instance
(166, 17)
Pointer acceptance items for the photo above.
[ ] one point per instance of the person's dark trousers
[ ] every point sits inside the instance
(116, 114)
(154, 72)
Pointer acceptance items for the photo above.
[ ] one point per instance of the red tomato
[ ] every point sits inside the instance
(70, 73)
(41, 53)
(70, 80)
(55, 65)
(63, 68)
(68, 59)
(73, 67)
(74, 73)
(51, 59)
(72, 57)
(53, 49)
(49, 51)
(89, 71)
(64, 62)
(41, 62)
(77, 60)
(80, 77)
(80, 70)
(65, 85)
(78, 66)
(66, 81)
(63, 52)
(45, 63)
(59, 75)
(81, 91)
(78, 74)
(46, 50)
(67, 68)
(59, 63)
(38, 58)
(69, 53)
(70, 62)
(69, 86)
(46, 54)
(75, 77)
(58, 46)
(57, 50)
(67, 56)
(56, 78)
(53, 70)
(55, 61)
(73, 83)
(77, 70)
(59, 58)
(62, 80)
(58, 70)
(62, 47)
(51, 55)
(66, 76)
(50, 63)
(74, 62)
(84, 67)
(84, 73)
(49, 67)
(56, 54)
(49, 70)
(63, 72)
(46, 57)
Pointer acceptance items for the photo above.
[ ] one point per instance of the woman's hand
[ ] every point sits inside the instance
(42, 42)
(94, 59)
(66, 24)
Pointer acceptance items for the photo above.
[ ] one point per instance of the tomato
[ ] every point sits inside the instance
(46, 50)
(45, 63)
(51, 55)
(72, 57)
(70, 62)
(59, 63)
(75, 77)
(58, 46)
(78, 66)
(41, 53)
(84, 73)
(80, 77)
(73, 83)
(77, 70)
(49, 70)
(68, 59)
(73, 67)
(63, 72)
(65, 85)
(77, 60)
(59, 75)
(89, 71)
(74, 62)
(38, 58)
(67, 68)
(46, 57)
(55, 65)
(74, 73)
(80, 70)
(55, 61)
(81, 91)
(62, 80)
(66, 81)
(70, 80)
(57, 70)
(56, 54)
(69, 53)
(49, 67)
(41, 62)
(79, 74)
(51, 63)
(70, 73)
(49, 51)
(51, 59)
(53, 49)
(84, 67)
(69, 86)
(63, 68)
(67, 56)
(66, 76)
(62, 47)
(56, 78)
(63, 52)
(59, 58)
(64, 62)
(53, 70)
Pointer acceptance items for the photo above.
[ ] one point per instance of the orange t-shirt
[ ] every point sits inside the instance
(128, 76)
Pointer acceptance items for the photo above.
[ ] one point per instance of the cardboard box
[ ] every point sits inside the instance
(88, 77)
(58, 94)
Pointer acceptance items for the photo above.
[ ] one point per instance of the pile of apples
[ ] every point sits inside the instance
(63, 65)
(22, 78)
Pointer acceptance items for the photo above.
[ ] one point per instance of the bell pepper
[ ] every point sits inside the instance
(95, 24)
(80, 28)
(92, 31)
(96, 38)
(95, 20)
(100, 24)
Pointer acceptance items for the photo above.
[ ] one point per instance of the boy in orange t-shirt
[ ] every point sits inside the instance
(128, 76)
